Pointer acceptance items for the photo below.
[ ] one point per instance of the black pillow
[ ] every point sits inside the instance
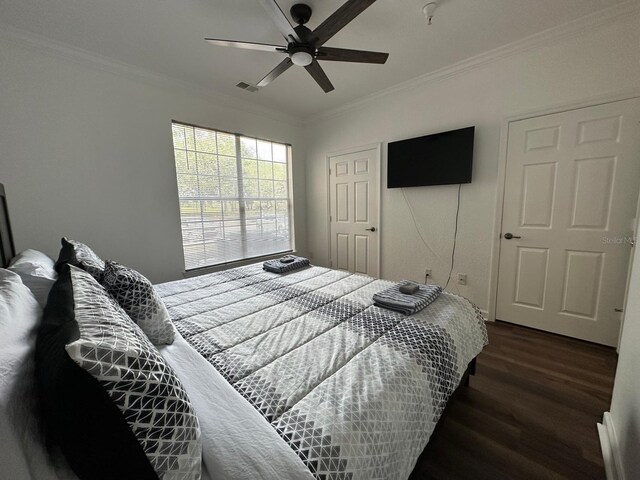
(79, 255)
(77, 414)
(109, 399)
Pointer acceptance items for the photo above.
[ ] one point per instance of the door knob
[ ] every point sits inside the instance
(372, 229)
(509, 236)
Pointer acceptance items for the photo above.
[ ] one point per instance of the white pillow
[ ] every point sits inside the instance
(37, 271)
(22, 454)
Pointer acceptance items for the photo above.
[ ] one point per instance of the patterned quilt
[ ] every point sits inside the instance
(354, 389)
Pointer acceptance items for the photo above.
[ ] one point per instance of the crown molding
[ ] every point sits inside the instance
(46, 46)
(43, 45)
(550, 36)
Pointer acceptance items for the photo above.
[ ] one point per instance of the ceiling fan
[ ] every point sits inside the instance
(305, 47)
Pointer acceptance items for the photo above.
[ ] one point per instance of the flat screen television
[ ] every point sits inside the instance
(440, 159)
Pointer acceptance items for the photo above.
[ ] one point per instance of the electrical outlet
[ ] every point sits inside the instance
(462, 279)
(427, 274)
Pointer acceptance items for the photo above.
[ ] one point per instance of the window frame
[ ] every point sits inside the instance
(240, 198)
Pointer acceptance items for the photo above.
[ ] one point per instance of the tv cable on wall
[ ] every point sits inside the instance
(424, 241)
(455, 239)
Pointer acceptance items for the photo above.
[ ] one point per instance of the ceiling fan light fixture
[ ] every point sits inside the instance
(302, 58)
(304, 47)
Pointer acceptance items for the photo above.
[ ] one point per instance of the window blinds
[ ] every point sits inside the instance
(234, 196)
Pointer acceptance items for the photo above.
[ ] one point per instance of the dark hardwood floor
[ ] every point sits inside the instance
(530, 411)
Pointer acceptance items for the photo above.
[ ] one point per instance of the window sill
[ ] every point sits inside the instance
(195, 272)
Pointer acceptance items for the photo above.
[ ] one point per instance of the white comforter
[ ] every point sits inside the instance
(311, 379)
(237, 442)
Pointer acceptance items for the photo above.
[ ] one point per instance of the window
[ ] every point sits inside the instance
(234, 196)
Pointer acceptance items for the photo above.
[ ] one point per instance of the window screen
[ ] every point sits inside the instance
(234, 195)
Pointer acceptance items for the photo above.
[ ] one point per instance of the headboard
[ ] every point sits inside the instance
(7, 249)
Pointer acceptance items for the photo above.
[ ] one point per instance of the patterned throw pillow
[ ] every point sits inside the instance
(137, 297)
(79, 255)
(118, 409)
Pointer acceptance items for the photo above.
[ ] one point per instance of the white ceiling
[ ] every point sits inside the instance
(166, 37)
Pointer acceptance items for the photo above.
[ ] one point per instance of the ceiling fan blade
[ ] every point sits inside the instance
(281, 20)
(316, 71)
(346, 55)
(247, 45)
(276, 72)
(339, 19)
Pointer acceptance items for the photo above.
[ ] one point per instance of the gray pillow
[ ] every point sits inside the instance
(135, 294)
(79, 255)
(110, 401)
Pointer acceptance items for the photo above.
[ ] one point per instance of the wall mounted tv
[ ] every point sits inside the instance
(440, 159)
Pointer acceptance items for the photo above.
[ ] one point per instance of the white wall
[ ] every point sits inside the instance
(624, 431)
(87, 153)
(600, 61)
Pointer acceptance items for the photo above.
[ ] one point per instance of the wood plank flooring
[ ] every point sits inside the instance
(530, 411)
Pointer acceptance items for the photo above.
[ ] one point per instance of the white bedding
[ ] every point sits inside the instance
(237, 442)
(23, 455)
(301, 376)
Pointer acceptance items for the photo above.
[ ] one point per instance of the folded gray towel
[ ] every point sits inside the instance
(278, 266)
(393, 299)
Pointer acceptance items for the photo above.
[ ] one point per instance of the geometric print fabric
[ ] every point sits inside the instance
(355, 390)
(392, 298)
(80, 255)
(87, 259)
(136, 296)
(137, 379)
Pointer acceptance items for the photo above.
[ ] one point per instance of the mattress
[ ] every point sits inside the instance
(301, 376)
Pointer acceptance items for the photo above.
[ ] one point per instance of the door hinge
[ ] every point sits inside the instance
(330, 218)
(329, 171)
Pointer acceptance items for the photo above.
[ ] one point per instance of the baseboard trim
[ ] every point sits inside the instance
(610, 449)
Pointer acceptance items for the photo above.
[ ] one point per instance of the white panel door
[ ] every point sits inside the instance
(354, 183)
(571, 187)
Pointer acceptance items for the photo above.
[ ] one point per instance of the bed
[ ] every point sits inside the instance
(7, 249)
(300, 376)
